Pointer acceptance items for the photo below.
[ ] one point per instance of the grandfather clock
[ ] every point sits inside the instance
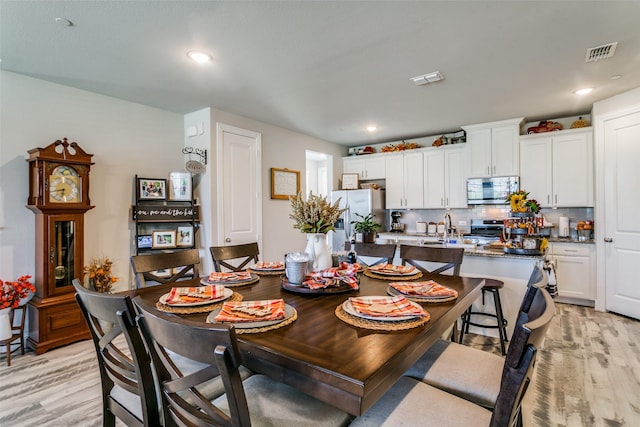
(59, 197)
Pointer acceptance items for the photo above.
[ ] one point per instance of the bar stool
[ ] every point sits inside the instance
(493, 286)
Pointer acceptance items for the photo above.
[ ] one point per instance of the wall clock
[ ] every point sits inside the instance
(59, 197)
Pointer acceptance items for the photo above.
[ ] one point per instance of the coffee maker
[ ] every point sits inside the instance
(396, 225)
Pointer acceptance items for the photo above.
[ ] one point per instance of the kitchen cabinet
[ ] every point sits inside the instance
(445, 177)
(404, 181)
(556, 168)
(575, 269)
(493, 148)
(371, 166)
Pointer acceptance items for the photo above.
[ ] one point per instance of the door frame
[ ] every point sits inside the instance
(221, 173)
(599, 211)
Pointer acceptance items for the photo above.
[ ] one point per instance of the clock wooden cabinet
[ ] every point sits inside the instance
(59, 197)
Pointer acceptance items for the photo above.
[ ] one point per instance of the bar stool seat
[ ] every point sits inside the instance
(493, 286)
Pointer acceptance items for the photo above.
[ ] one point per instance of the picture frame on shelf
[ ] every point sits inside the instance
(284, 183)
(350, 181)
(164, 239)
(180, 186)
(184, 236)
(151, 188)
(166, 272)
(145, 242)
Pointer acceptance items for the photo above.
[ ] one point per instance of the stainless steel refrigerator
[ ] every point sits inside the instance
(362, 202)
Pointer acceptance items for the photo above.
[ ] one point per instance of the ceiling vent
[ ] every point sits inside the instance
(601, 52)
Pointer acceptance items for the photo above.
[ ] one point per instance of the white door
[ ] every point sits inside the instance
(622, 213)
(239, 171)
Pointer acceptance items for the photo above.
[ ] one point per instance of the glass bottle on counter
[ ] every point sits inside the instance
(352, 256)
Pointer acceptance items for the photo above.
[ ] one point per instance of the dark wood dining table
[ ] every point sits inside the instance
(321, 355)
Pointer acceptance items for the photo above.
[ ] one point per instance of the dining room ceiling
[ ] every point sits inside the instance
(329, 69)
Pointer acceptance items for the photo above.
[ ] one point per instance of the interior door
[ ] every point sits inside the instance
(239, 172)
(622, 213)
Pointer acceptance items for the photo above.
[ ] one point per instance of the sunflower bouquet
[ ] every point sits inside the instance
(519, 202)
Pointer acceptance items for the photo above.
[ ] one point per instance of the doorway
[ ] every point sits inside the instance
(319, 170)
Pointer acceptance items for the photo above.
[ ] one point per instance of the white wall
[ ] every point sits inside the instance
(125, 138)
(281, 148)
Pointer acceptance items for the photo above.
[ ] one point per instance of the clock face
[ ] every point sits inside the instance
(64, 185)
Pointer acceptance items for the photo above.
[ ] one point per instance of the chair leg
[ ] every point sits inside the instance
(502, 323)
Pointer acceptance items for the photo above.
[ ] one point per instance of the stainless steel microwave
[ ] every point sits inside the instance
(491, 191)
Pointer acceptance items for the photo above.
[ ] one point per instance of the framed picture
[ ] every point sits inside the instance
(166, 272)
(184, 236)
(180, 186)
(349, 181)
(164, 239)
(152, 189)
(284, 183)
(145, 242)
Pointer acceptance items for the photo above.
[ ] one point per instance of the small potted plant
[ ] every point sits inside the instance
(367, 226)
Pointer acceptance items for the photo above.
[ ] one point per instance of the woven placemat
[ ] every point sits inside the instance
(199, 308)
(267, 273)
(422, 300)
(285, 322)
(377, 325)
(373, 275)
(235, 285)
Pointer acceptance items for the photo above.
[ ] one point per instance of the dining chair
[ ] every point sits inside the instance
(413, 402)
(446, 365)
(447, 258)
(383, 252)
(245, 253)
(17, 332)
(128, 389)
(165, 267)
(257, 400)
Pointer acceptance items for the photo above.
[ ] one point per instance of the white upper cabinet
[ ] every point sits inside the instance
(445, 178)
(404, 182)
(493, 148)
(370, 166)
(556, 168)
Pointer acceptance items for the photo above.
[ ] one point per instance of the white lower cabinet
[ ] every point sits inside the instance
(575, 269)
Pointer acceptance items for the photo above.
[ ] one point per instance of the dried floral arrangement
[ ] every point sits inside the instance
(99, 274)
(314, 215)
(12, 292)
(401, 146)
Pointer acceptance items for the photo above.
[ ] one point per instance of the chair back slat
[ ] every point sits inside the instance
(242, 254)
(165, 333)
(145, 266)
(123, 363)
(519, 362)
(450, 257)
(384, 253)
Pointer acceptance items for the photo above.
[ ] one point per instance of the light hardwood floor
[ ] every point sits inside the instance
(587, 374)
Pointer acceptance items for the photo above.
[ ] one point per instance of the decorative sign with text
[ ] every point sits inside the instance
(166, 213)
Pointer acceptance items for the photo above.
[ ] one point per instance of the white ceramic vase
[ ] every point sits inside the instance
(318, 251)
(5, 324)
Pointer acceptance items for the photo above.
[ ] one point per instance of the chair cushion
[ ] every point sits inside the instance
(275, 404)
(411, 403)
(467, 372)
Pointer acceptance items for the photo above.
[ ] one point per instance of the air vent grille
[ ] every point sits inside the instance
(600, 52)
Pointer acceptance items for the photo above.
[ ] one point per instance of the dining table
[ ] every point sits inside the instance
(347, 366)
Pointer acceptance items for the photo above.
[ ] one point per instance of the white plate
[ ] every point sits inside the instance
(252, 279)
(393, 291)
(288, 313)
(346, 306)
(227, 293)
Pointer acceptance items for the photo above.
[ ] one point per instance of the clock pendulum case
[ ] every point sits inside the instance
(59, 197)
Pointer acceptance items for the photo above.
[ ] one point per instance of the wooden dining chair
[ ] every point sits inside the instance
(473, 374)
(383, 252)
(17, 332)
(128, 389)
(446, 258)
(413, 402)
(244, 254)
(165, 267)
(256, 401)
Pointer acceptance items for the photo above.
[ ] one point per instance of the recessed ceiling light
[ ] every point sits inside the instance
(199, 57)
(616, 77)
(371, 128)
(584, 91)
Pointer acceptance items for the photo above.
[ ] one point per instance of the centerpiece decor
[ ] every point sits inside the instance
(98, 273)
(521, 230)
(12, 295)
(519, 202)
(315, 216)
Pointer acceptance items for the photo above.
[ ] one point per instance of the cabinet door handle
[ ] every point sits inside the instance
(494, 169)
(447, 199)
(488, 170)
(556, 199)
(548, 199)
(608, 239)
(227, 240)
